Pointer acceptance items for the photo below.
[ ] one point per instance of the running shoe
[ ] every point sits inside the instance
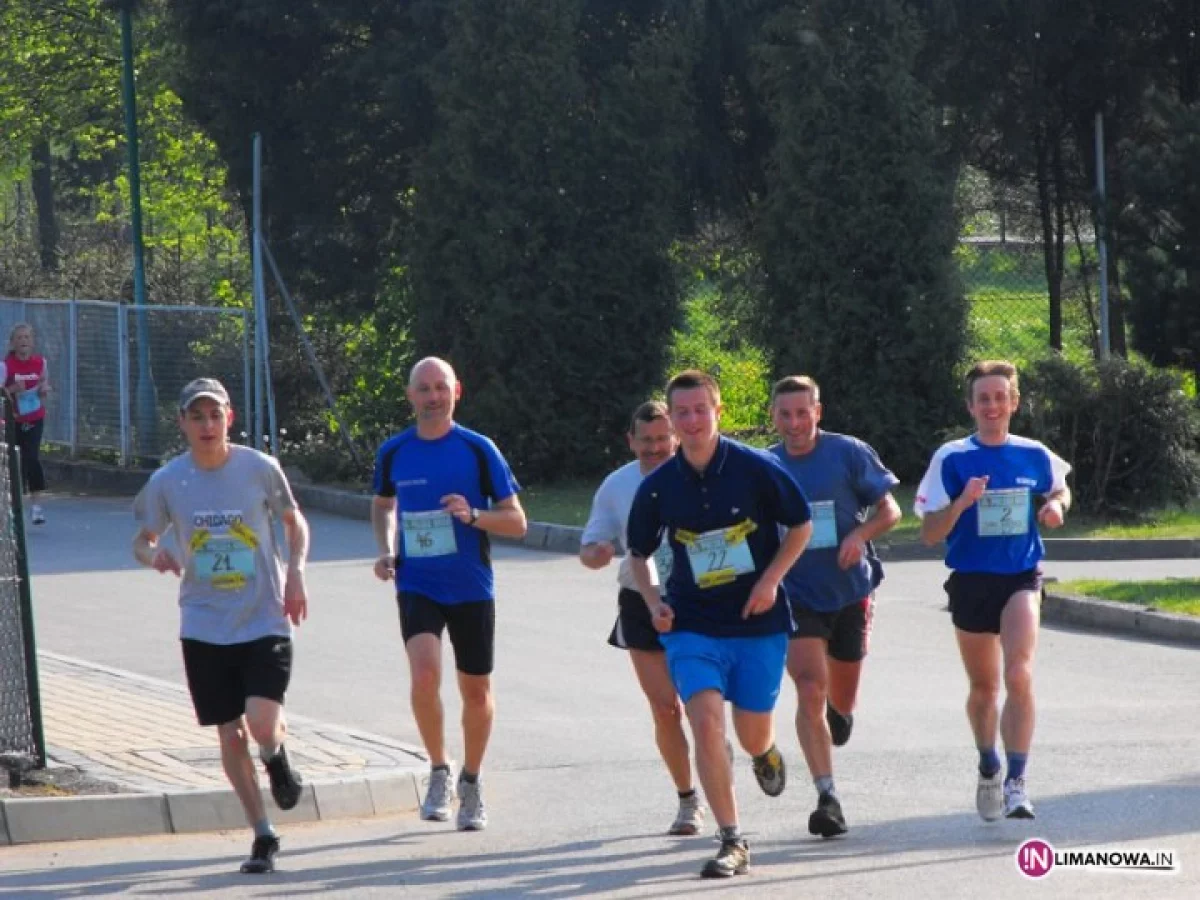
(472, 814)
(438, 797)
(989, 797)
(732, 859)
(262, 855)
(827, 819)
(840, 725)
(1016, 801)
(690, 818)
(770, 772)
(286, 783)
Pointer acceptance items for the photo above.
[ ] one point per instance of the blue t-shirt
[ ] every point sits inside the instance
(437, 555)
(842, 477)
(997, 534)
(723, 530)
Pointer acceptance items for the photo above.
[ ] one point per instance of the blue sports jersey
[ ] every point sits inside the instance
(437, 555)
(842, 477)
(999, 533)
(723, 529)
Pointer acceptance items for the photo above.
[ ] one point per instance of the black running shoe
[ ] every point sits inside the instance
(732, 859)
(262, 856)
(827, 819)
(286, 783)
(840, 726)
(770, 772)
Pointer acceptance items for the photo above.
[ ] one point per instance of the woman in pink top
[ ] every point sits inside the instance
(26, 382)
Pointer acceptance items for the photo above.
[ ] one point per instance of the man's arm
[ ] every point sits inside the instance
(505, 519)
(296, 530)
(936, 525)
(766, 589)
(383, 525)
(147, 551)
(1054, 510)
(597, 555)
(883, 518)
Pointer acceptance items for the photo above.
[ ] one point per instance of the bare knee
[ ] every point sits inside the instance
(426, 679)
(666, 711)
(234, 737)
(984, 690)
(1018, 677)
(810, 695)
(476, 691)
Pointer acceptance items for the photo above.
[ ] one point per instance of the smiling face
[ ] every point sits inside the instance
(433, 390)
(993, 402)
(21, 341)
(796, 416)
(695, 414)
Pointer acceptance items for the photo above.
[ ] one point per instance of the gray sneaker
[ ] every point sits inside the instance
(438, 797)
(472, 815)
(690, 817)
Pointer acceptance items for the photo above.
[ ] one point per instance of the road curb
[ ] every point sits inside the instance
(1120, 618)
(27, 820)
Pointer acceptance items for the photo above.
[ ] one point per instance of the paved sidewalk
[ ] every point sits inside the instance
(140, 734)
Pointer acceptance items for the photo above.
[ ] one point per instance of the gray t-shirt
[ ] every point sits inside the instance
(232, 586)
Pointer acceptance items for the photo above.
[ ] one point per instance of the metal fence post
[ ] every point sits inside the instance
(73, 378)
(32, 682)
(123, 381)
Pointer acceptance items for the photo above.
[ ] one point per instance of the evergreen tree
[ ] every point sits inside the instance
(543, 216)
(856, 232)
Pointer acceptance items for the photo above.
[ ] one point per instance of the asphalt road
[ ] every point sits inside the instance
(577, 797)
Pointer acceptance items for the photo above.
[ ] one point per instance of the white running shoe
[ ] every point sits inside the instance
(989, 797)
(39, 517)
(1016, 801)
(438, 797)
(472, 815)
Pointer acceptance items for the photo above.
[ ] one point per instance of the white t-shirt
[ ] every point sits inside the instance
(609, 519)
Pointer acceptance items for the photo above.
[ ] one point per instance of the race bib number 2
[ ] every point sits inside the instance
(1003, 513)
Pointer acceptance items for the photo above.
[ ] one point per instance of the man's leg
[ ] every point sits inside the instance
(472, 631)
(239, 768)
(981, 659)
(425, 675)
(847, 649)
(1018, 640)
(706, 713)
(478, 713)
(806, 664)
(655, 679)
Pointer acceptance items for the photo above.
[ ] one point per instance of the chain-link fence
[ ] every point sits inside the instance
(1010, 311)
(21, 740)
(117, 370)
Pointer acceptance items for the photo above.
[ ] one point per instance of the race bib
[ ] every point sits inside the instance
(718, 557)
(664, 560)
(28, 402)
(428, 534)
(226, 562)
(1003, 513)
(824, 521)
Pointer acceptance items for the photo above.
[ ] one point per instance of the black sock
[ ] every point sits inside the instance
(468, 777)
(442, 768)
(687, 795)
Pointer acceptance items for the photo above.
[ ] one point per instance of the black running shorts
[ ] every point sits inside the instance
(634, 628)
(847, 631)
(472, 628)
(221, 676)
(977, 599)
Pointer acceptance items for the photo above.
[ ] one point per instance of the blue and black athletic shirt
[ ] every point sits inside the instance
(999, 533)
(436, 555)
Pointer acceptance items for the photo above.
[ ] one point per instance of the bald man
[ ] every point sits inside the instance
(450, 489)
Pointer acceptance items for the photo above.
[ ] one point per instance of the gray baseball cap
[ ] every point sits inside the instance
(203, 387)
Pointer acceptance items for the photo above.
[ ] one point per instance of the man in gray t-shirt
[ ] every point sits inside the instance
(238, 601)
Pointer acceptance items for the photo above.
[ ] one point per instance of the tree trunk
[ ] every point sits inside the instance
(43, 199)
(1060, 221)
(1051, 252)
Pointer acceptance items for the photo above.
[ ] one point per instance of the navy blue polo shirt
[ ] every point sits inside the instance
(743, 495)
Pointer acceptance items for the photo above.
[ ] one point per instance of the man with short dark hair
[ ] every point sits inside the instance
(724, 618)
(236, 602)
(832, 585)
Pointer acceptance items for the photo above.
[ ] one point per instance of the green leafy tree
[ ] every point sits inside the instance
(856, 232)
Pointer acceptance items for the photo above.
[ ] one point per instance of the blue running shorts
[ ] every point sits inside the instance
(746, 671)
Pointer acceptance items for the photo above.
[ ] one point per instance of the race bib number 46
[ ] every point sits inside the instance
(1003, 513)
(718, 557)
(428, 534)
(824, 520)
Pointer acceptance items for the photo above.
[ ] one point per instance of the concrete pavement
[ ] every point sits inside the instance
(577, 796)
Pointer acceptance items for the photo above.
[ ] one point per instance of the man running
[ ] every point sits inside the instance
(652, 442)
(237, 603)
(725, 618)
(979, 496)
(452, 489)
(831, 586)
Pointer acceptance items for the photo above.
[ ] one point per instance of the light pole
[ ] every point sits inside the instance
(147, 405)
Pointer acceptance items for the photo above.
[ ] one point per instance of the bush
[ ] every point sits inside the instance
(1129, 431)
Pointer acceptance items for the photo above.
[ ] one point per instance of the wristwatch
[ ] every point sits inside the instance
(474, 516)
